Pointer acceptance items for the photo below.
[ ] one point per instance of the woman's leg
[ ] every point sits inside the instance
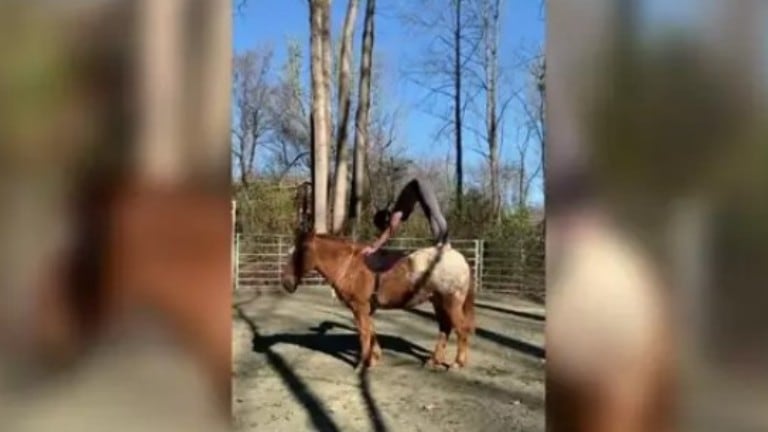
(432, 211)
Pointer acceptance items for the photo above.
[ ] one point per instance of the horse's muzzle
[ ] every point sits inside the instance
(289, 284)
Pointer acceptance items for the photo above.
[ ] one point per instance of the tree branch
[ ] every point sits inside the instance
(291, 164)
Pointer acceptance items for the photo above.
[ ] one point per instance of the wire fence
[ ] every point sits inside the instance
(497, 266)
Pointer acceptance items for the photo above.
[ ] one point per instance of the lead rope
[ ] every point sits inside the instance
(343, 273)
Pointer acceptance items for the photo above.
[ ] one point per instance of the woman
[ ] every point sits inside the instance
(388, 221)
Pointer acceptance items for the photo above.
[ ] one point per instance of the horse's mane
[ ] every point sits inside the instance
(345, 245)
(339, 240)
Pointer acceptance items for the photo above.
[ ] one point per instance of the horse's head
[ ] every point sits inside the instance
(301, 260)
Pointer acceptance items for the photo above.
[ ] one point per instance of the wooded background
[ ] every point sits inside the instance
(339, 128)
(339, 131)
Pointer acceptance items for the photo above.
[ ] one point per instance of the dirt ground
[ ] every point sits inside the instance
(294, 361)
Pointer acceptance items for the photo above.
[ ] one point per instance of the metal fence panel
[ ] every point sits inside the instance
(496, 266)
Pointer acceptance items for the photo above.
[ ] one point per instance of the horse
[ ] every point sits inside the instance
(438, 274)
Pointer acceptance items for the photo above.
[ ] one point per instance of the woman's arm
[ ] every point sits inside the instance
(394, 224)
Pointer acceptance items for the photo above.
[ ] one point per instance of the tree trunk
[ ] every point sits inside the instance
(342, 162)
(361, 117)
(541, 87)
(457, 105)
(522, 193)
(243, 169)
(491, 26)
(321, 131)
(214, 112)
(160, 91)
(325, 38)
(182, 152)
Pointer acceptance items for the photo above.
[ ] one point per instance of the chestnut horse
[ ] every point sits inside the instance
(438, 274)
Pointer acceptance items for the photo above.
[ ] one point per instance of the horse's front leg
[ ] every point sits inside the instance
(364, 331)
(375, 347)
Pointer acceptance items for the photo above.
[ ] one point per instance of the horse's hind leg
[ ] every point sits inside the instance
(456, 315)
(444, 325)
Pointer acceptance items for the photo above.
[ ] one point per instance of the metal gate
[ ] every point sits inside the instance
(259, 259)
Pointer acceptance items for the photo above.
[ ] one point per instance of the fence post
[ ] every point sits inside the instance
(279, 257)
(478, 258)
(237, 261)
(481, 265)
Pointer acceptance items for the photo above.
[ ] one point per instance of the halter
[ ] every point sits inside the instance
(341, 275)
(344, 268)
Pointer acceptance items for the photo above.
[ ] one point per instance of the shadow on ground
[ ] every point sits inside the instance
(518, 345)
(521, 314)
(344, 347)
(317, 412)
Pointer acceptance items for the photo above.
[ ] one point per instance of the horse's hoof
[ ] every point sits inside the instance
(436, 364)
(360, 367)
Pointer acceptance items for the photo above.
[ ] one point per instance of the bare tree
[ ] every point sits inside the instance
(362, 115)
(386, 165)
(541, 88)
(321, 128)
(533, 104)
(290, 140)
(437, 171)
(490, 18)
(342, 163)
(385, 168)
(457, 117)
(443, 67)
(250, 92)
(327, 66)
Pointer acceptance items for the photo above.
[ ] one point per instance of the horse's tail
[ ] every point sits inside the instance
(468, 308)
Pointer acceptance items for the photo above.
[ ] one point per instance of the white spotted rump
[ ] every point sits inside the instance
(449, 274)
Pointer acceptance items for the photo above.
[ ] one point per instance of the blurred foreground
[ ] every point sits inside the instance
(115, 223)
(656, 227)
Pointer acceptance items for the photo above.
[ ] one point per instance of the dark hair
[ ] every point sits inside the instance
(381, 219)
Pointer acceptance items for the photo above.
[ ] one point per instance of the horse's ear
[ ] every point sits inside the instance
(304, 232)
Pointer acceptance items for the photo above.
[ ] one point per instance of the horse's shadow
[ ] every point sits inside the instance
(344, 347)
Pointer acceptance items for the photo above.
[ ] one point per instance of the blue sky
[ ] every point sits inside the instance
(273, 22)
